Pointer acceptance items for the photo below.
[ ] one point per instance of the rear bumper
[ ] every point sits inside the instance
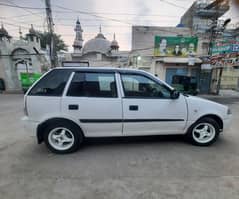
(30, 126)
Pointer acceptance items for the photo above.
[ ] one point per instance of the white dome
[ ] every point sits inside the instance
(98, 44)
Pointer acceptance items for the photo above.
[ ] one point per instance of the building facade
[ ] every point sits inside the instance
(98, 51)
(225, 54)
(203, 17)
(169, 57)
(20, 56)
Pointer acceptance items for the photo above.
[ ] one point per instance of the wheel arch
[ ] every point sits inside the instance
(217, 118)
(42, 126)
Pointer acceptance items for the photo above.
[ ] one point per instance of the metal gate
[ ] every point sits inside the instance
(204, 82)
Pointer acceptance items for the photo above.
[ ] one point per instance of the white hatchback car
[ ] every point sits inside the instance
(68, 104)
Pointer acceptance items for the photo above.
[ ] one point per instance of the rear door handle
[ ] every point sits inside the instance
(133, 108)
(73, 107)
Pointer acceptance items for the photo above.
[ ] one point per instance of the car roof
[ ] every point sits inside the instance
(111, 70)
(100, 69)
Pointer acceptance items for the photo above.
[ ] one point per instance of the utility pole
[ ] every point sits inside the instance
(50, 27)
(221, 69)
(212, 38)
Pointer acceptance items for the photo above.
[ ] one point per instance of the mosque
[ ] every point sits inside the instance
(20, 55)
(98, 51)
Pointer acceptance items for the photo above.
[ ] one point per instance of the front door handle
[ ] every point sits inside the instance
(73, 107)
(133, 108)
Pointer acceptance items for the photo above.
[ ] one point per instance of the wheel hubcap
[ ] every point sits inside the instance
(203, 133)
(61, 138)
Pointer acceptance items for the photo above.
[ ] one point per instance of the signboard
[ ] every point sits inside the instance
(225, 60)
(175, 46)
(225, 53)
(27, 79)
(221, 49)
(225, 47)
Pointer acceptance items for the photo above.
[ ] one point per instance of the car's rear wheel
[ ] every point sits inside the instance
(63, 137)
(204, 132)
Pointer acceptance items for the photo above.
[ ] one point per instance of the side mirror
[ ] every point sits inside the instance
(175, 94)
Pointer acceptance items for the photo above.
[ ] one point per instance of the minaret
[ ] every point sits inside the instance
(114, 44)
(4, 34)
(33, 36)
(78, 42)
(20, 33)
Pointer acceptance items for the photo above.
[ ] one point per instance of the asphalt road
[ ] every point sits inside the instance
(151, 168)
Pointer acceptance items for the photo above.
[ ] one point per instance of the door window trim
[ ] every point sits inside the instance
(96, 72)
(68, 84)
(146, 76)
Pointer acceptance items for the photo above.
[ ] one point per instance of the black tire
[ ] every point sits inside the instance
(190, 137)
(73, 128)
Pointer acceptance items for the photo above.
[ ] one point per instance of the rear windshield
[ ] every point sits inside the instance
(51, 84)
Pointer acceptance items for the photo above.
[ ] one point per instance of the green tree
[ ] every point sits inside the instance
(46, 40)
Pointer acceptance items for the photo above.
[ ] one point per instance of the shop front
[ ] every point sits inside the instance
(178, 73)
(176, 62)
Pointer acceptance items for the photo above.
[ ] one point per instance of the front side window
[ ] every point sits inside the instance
(93, 85)
(52, 84)
(139, 86)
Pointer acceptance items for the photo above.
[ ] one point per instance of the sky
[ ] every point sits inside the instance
(113, 16)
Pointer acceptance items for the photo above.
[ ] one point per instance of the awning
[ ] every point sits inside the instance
(179, 60)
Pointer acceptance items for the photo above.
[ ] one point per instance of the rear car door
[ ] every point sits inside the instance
(148, 108)
(92, 99)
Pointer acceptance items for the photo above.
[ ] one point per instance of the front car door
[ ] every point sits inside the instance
(93, 99)
(148, 108)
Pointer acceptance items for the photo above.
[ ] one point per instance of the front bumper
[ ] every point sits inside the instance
(30, 126)
(227, 122)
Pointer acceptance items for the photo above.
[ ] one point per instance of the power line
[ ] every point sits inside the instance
(10, 24)
(82, 19)
(123, 14)
(132, 20)
(25, 27)
(18, 16)
(88, 13)
(20, 24)
(24, 7)
(12, 3)
(173, 4)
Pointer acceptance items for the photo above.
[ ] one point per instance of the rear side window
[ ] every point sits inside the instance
(52, 84)
(93, 85)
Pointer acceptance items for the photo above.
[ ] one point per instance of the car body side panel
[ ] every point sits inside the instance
(40, 107)
(155, 116)
(97, 116)
(198, 107)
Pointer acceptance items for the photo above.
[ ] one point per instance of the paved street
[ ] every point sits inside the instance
(156, 167)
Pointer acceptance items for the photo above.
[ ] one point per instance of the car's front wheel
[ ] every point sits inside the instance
(63, 137)
(204, 132)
